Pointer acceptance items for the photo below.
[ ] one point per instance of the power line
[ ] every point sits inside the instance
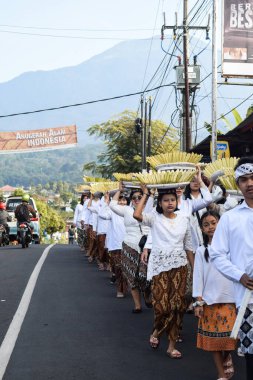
(238, 105)
(77, 29)
(72, 37)
(85, 103)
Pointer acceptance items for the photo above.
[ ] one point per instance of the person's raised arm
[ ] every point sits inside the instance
(198, 204)
(117, 194)
(139, 209)
(90, 201)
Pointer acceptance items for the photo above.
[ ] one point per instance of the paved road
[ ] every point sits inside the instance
(75, 328)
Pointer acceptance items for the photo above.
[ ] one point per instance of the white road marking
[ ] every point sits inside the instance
(11, 336)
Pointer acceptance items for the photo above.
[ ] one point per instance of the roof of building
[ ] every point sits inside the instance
(7, 188)
(240, 140)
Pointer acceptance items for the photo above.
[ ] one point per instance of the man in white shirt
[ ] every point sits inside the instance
(232, 252)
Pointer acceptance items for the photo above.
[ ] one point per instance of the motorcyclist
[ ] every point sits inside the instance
(23, 211)
(4, 217)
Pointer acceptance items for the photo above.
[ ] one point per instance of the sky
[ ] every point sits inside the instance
(49, 34)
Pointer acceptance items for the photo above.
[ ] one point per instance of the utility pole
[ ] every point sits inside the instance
(214, 83)
(142, 135)
(149, 130)
(145, 135)
(186, 125)
(187, 133)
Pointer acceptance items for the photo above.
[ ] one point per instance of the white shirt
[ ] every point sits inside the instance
(148, 244)
(78, 215)
(208, 282)
(116, 230)
(93, 219)
(170, 239)
(134, 229)
(103, 224)
(86, 213)
(216, 193)
(228, 205)
(188, 206)
(232, 246)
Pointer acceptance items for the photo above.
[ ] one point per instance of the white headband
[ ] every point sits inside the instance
(243, 170)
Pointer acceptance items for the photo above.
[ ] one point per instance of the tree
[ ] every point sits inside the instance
(18, 192)
(123, 144)
(249, 111)
(51, 220)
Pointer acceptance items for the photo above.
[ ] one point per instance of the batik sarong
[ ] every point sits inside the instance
(134, 271)
(168, 299)
(215, 326)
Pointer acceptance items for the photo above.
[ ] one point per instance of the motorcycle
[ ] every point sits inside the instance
(24, 234)
(4, 238)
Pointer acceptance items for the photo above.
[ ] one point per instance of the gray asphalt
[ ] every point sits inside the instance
(76, 328)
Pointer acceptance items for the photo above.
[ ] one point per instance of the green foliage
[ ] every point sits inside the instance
(123, 144)
(237, 116)
(31, 169)
(249, 111)
(209, 129)
(51, 220)
(18, 192)
(74, 203)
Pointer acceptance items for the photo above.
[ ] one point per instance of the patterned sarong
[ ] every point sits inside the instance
(102, 251)
(133, 270)
(246, 331)
(115, 261)
(215, 327)
(81, 238)
(168, 299)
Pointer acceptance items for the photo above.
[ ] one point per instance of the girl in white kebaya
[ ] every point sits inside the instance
(214, 304)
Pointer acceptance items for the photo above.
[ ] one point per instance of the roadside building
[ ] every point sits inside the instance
(240, 141)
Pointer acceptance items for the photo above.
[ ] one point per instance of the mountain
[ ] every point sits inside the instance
(117, 71)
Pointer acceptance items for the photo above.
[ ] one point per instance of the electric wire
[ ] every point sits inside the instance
(84, 103)
(76, 29)
(75, 37)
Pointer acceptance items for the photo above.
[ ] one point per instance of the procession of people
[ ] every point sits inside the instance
(178, 245)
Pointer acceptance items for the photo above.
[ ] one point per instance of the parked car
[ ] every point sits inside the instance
(11, 204)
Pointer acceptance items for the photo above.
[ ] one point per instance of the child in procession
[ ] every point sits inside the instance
(214, 304)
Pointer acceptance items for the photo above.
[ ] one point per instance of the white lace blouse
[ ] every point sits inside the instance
(170, 239)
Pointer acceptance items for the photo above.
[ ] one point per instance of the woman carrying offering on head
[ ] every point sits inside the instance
(133, 269)
(167, 265)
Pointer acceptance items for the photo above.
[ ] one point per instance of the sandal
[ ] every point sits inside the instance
(228, 367)
(153, 342)
(120, 295)
(174, 354)
(137, 311)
